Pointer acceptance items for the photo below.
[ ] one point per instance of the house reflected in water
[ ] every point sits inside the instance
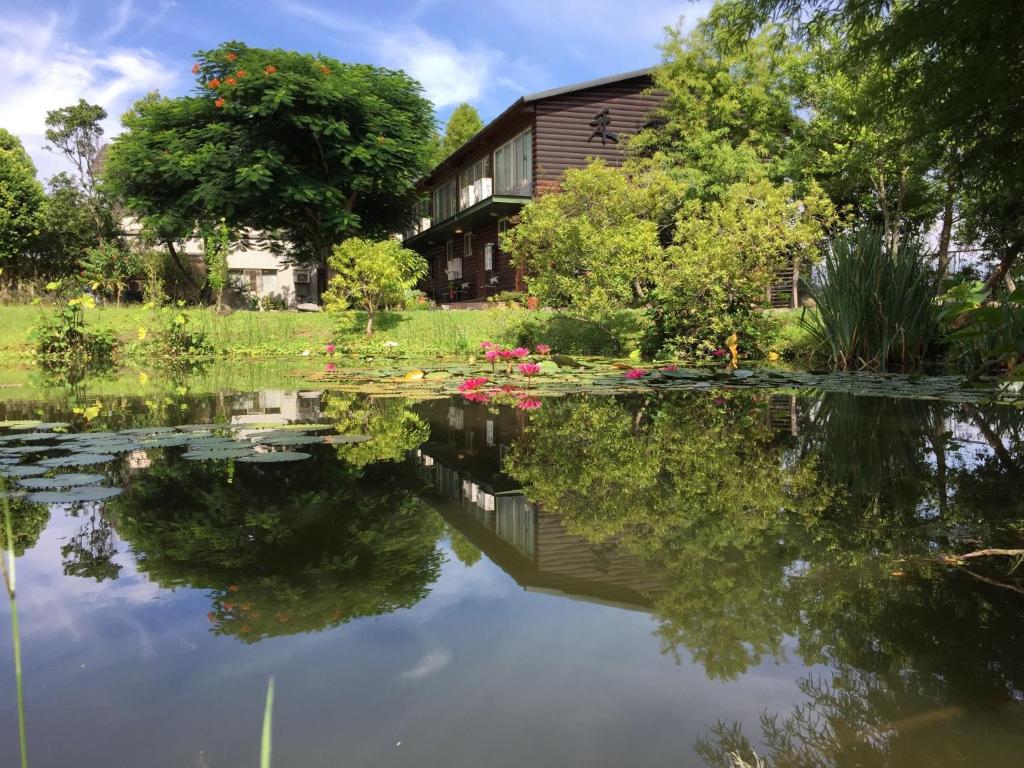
(462, 465)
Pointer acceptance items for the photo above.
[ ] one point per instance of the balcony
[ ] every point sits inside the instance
(471, 194)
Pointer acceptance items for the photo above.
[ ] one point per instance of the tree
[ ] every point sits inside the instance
(21, 203)
(216, 246)
(963, 63)
(68, 229)
(591, 248)
(372, 276)
(462, 125)
(712, 281)
(109, 268)
(76, 133)
(730, 113)
(304, 149)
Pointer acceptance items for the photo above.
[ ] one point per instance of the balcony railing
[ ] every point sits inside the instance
(419, 225)
(471, 194)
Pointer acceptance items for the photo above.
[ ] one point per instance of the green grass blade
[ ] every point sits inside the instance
(268, 722)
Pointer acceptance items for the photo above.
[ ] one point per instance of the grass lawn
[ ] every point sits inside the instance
(272, 334)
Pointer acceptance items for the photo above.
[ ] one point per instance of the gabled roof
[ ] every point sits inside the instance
(514, 109)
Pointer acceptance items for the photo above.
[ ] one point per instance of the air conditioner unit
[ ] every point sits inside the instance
(301, 276)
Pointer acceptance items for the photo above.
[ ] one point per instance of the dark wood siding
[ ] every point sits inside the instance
(562, 130)
(479, 287)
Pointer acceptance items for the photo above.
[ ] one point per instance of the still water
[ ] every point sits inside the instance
(643, 581)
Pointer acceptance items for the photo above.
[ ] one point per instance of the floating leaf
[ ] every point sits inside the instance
(290, 440)
(22, 470)
(435, 375)
(274, 457)
(75, 495)
(217, 454)
(347, 439)
(60, 481)
(78, 460)
(20, 424)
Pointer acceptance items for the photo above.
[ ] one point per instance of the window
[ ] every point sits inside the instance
(513, 166)
(489, 257)
(454, 265)
(268, 281)
(444, 200)
(467, 245)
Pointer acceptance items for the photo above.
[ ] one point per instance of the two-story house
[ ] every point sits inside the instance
(468, 199)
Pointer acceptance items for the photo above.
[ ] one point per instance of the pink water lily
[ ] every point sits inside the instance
(476, 396)
(487, 345)
(519, 352)
(529, 369)
(720, 352)
(329, 349)
(472, 384)
(528, 404)
(330, 366)
(635, 373)
(542, 349)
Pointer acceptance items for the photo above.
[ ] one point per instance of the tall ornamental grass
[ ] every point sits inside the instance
(876, 307)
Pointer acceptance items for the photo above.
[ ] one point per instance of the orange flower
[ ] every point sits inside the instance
(215, 83)
(269, 69)
(232, 56)
(196, 68)
(218, 103)
(240, 73)
(326, 70)
(231, 81)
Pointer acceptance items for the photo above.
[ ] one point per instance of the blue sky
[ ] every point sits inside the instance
(487, 52)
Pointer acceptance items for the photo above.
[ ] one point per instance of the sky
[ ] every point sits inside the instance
(487, 52)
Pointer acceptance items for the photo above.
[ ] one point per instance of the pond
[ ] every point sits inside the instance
(656, 579)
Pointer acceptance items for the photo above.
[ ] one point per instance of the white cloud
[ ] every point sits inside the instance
(449, 75)
(431, 663)
(46, 70)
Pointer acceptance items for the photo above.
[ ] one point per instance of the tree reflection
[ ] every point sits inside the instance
(90, 552)
(396, 430)
(282, 552)
(826, 543)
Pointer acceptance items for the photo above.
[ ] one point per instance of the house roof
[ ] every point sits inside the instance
(515, 109)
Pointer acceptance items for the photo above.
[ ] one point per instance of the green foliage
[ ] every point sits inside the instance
(109, 267)
(75, 132)
(875, 306)
(304, 148)
(68, 229)
(730, 111)
(984, 337)
(712, 281)
(396, 430)
(216, 246)
(372, 276)
(592, 247)
(181, 338)
(21, 204)
(63, 344)
(463, 123)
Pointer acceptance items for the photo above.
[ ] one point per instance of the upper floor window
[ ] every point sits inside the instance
(513, 166)
(444, 201)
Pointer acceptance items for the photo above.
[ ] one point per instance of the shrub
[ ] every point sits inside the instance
(180, 338)
(983, 337)
(371, 276)
(875, 306)
(62, 341)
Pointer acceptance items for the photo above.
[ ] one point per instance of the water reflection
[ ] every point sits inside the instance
(754, 529)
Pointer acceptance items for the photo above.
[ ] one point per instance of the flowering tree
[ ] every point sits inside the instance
(372, 276)
(304, 148)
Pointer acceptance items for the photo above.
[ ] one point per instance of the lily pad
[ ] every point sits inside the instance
(217, 454)
(435, 375)
(20, 424)
(22, 470)
(78, 460)
(347, 439)
(548, 367)
(275, 457)
(290, 440)
(75, 495)
(66, 480)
